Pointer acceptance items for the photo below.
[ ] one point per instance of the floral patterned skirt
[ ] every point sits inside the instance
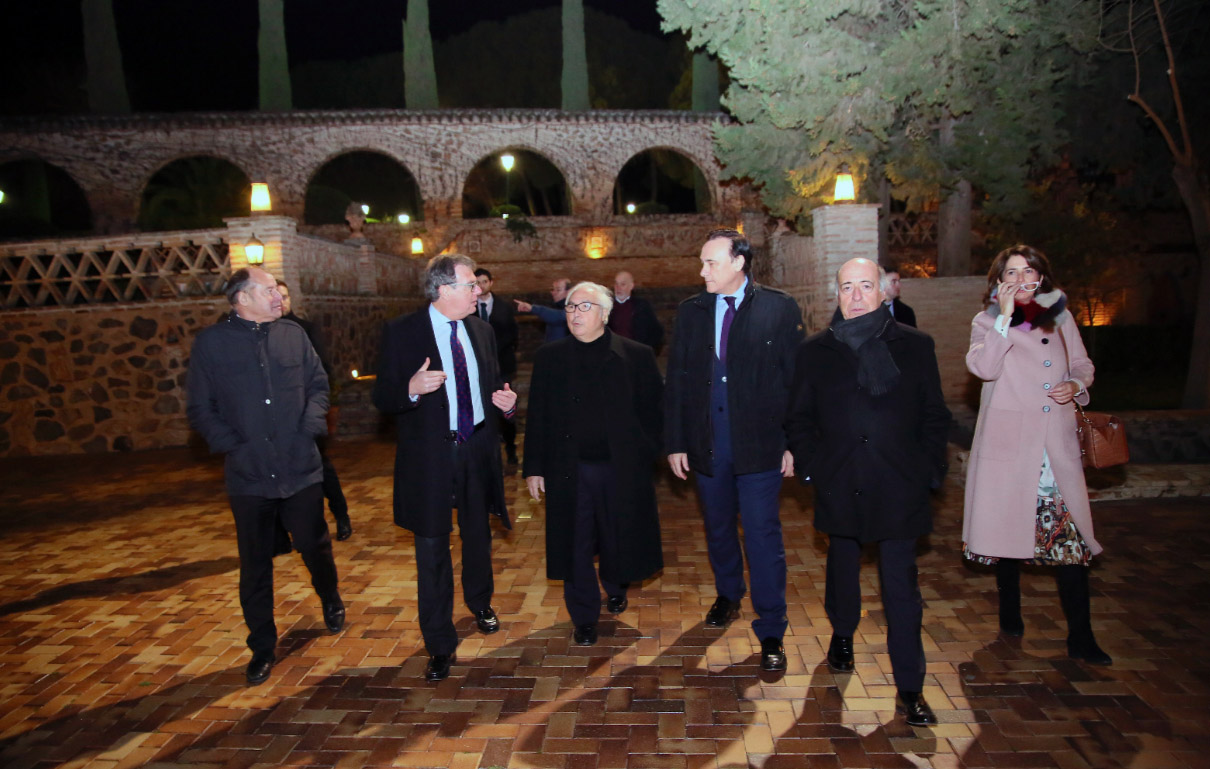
(1057, 542)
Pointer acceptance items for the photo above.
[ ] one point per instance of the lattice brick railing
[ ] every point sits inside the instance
(67, 273)
(913, 229)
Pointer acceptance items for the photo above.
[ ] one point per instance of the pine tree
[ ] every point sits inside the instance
(938, 95)
(419, 73)
(575, 57)
(274, 64)
(103, 56)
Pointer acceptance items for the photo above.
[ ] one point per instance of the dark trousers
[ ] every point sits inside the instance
(331, 485)
(593, 533)
(508, 436)
(255, 530)
(434, 567)
(728, 499)
(900, 599)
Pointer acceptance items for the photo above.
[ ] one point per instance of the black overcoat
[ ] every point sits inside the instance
(872, 459)
(633, 422)
(763, 340)
(503, 319)
(424, 467)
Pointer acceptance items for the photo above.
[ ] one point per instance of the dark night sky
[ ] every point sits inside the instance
(202, 53)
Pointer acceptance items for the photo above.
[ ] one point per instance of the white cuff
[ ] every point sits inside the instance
(1002, 323)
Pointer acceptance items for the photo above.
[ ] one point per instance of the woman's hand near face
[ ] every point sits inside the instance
(1064, 392)
(1006, 294)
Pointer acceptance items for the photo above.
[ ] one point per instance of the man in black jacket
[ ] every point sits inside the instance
(591, 441)
(900, 311)
(867, 424)
(331, 483)
(633, 316)
(729, 372)
(438, 374)
(501, 316)
(259, 395)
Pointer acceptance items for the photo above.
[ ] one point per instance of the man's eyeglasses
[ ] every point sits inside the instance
(469, 286)
(581, 306)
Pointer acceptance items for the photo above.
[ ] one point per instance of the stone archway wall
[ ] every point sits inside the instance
(112, 158)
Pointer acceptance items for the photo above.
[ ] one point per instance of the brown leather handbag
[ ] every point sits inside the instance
(1102, 439)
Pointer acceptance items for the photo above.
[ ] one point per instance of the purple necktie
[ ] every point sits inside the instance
(462, 385)
(728, 317)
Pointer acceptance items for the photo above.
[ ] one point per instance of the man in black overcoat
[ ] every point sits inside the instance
(729, 370)
(438, 374)
(502, 317)
(900, 311)
(592, 437)
(867, 424)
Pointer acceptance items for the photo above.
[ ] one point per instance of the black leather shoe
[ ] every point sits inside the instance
(344, 529)
(772, 654)
(487, 621)
(439, 667)
(334, 615)
(1089, 652)
(259, 667)
(722, 612)
(1012, 627)
(840, 654)
(913, 706)
(616, 604)
(585, 635)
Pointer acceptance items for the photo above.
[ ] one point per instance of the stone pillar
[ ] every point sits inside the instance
(278, 234)
(842, 232)
(367, 275)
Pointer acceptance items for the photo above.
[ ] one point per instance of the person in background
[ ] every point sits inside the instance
(503, 320)
(901, 312)
(633, 316)
(554, 317)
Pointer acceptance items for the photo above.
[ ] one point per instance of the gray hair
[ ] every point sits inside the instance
(239, 281)
(440, 272)
(604, 296)
(884, 280)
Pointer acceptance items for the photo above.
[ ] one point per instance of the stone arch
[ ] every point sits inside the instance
(364, 175)
(662, 180)
(41, 200)
(536, 185)
(193, 192)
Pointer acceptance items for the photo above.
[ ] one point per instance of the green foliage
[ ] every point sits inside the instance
(193, 193)
(516, 223)
(930, 92)
(574, 82)
(274, 65)
(419, 72)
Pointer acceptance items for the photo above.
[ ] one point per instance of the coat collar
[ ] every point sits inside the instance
(1054, 303)
(892, 332)
(706, 300)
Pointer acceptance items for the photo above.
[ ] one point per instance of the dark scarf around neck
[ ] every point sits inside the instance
(876, 369)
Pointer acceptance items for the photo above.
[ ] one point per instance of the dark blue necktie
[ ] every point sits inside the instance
(462, 385)
(728, 318)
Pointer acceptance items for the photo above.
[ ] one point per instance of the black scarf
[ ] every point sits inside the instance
(876, 369)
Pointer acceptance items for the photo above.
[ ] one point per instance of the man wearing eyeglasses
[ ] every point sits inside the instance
(258, 394)
(592, 438)
(438, 374)
(729, 373)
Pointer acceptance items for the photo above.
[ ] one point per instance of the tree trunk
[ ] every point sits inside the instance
(419, 71)
(103, 58)
(274, 65)
(1195, 192)
(575, 59)
(705, 82)
(954, 233)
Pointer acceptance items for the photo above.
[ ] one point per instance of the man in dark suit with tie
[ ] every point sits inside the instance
(503, 320)
(438, 374)
(899, 311)
(729, 373)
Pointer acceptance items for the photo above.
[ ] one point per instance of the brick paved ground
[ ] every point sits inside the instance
(121, 645)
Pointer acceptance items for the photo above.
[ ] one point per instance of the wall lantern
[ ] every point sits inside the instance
(507, 161)
(254, 250)
(354, 373)
(260, 197)
(1, 196)
(365, 209)
(404, 218)
(845, 191)
(417, 246)
(630, 208)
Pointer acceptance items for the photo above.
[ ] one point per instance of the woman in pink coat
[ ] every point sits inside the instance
(1025, 494)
